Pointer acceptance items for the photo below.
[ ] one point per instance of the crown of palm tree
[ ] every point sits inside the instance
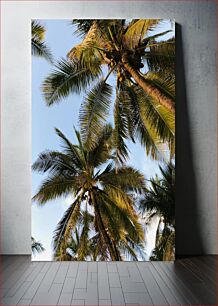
(144, 107)
(87, 171)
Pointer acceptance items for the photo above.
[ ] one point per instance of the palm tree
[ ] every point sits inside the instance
(87, 171)
(38, 44)
(36, 246)
(159, 199)
(144, 107)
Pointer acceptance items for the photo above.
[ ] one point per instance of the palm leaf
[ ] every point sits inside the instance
(68, 77)
(152, 37)
(88, 53)
(36, 246)
(161, 56)
(56, 163)
(54, 187)
(143, 129)
(164, 82)
(37, 30)
(67, 222)
(39, 47)
(83, 249)
(93, 113)
(161, 120)
(101, 153)
(120, 132)
(125, 178)
(72, 150)
(83, 25)
(137, 31)
(123, 217)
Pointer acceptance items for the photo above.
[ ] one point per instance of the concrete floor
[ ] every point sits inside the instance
(188, 281)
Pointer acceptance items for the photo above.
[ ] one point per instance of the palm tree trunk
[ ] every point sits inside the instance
(113, 254)
(148, 88)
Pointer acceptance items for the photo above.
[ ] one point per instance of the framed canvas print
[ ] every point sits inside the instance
(103, 139)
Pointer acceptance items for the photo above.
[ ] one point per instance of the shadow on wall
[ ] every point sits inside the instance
(188, 228)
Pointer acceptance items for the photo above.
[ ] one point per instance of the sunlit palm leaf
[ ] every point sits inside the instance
(142, 127)
(126, 178)
(164, 82)
(88, 52)
(124, 217)
(136, 31)
(37, 30)
(160, 119)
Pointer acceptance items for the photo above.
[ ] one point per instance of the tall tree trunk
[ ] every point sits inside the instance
(107, 240)
(148, 88)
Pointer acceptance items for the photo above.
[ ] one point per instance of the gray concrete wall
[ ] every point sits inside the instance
(196, 213)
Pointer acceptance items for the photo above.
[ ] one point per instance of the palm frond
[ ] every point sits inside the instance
(37, 30)
(160, 196)
(143, 129)
(125, 178)
(101, 153)
(83, 249)
(160, 119)
(120, 132)
(132, 250)
(137, 30)
(56, 163)
(54, 187)
(36, 246)
(161, 56)
(71, 150)
(165, 83)
(123, 217)
(93, 113)
(88, 53)
(67, 223)
(152, 37)
(83, 26)
(68, 77)
(40, 49)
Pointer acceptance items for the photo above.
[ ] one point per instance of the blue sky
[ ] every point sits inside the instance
(60, 39)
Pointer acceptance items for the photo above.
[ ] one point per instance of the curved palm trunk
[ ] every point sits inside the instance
(113, 254)
(148, 88)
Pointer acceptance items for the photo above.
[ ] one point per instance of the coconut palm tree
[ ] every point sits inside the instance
(144, 107)
(36, 246)
(86, 170)
(39, 47)
(159, 199)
